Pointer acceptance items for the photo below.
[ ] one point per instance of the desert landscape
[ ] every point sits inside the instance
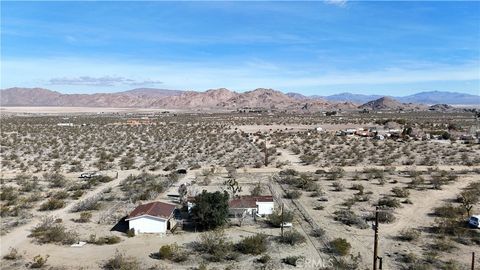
(328, 174)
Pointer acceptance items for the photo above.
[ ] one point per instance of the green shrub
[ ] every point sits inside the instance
(12, 255)
(348, 217)
(294, 194)
(131, 232)
(275, 219)
(400, 192)
(292, 238)
(448, 210)
(256, 244)
(8, 193)
(351, 262)
(443, 245)
(215, 244)
(358, 187)
(104, 240)
(56, 179)
(166, 251)
(172, 252)
(409, 235)
(84, 217)
(92, 203)
(121, 262)
(52, 204)
(389, 202)
(61, 195)
(410, 258)
(384, 216)
(318, 232)
(340, 246)
(39, 261)
(292, 260)
(49, 231)
(337, 186)
(264, 259)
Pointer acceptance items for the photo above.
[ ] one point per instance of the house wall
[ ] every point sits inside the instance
(147, 224)
(238, 211)
(265, 208)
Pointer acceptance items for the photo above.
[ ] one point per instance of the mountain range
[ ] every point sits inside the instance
(226, 99)
(431, 97)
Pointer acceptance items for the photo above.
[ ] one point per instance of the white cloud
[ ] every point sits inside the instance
(101, 81)
(238, 76)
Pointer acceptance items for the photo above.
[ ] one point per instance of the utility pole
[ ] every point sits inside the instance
(473, 260)
(266, 152)
(375, 243)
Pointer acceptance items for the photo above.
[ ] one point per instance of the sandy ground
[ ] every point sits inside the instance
(18, 236)
(70, 110)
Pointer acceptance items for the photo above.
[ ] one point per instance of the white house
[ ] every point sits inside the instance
(261, 205)
(154, 217)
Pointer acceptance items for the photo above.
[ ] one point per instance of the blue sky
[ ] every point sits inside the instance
(394, 48)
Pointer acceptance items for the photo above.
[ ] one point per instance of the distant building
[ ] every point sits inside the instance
(140, 121)
(154, 217)
(261, 205)
(347, 132)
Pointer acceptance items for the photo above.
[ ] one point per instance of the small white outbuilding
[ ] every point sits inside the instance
(260, 205)
(154, 217)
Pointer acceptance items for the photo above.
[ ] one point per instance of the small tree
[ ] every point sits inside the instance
(468, 199)
(276, 219)
(211, 209)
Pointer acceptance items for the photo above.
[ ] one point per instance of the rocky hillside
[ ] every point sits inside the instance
(159, 98)
(140, 97)
(212, 99)
(192, 99)
(388, 103)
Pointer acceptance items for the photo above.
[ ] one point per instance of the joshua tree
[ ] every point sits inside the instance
(232, 185)
(182, 192)
(468, 199)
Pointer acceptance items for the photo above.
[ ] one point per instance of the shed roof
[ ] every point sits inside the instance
(155, 209)
(248, 201)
